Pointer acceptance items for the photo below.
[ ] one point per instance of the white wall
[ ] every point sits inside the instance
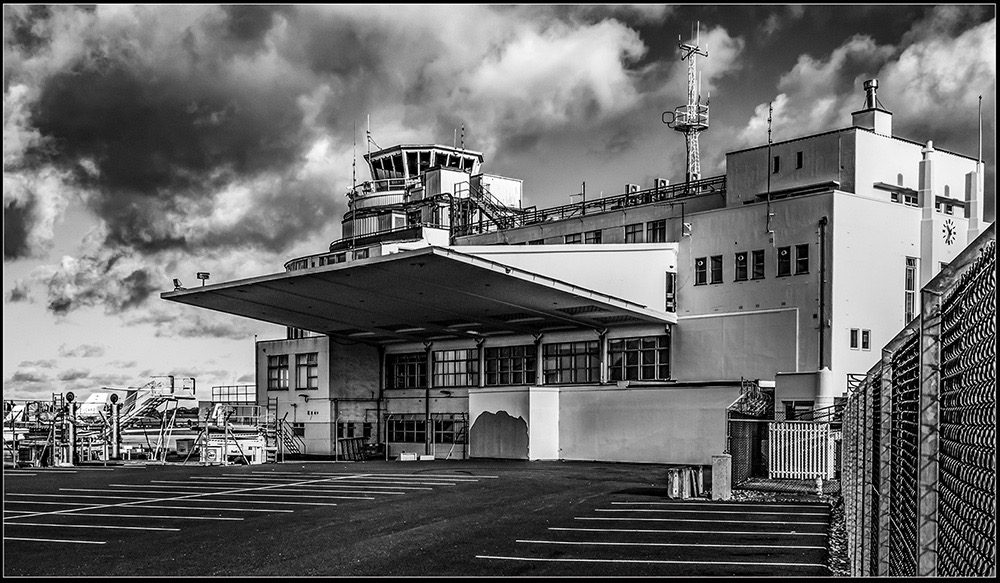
(635, 272)
(754, 345)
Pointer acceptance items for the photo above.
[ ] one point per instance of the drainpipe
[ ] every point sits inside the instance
(822, 291)
(381, 393)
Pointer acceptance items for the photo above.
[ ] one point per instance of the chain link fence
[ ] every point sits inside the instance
(919, 435)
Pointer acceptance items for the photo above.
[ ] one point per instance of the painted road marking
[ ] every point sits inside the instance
(154, 506)
(344, 481)
(652, 562)
(213, 493)
(316, 488)
(43, 502)
(91, 526)
(665, 531)
(694, 520)
(56, 540)
(278, 485)
(641, 544)
(708, 511)
(6, 474)
(716, 504)
(140, 501)
(469, 478)
(188, 496)
(174, 516)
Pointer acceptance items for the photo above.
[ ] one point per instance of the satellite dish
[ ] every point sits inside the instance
(114, 398)
(69, 397)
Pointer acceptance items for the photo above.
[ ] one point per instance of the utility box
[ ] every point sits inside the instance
(185, 446)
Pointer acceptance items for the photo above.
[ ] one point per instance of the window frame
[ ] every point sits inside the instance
(310, 368)
(634, 232)
(592, 237)
(503, 365)
(741, 272)
(758, 258)
(784, 265)
(276, 379)
(802, 255)
(410, 367)
(715, 273)
(632, 359)
(456, 367)
(560, 354)
(656, 231)
(573, 239)
(701, 271)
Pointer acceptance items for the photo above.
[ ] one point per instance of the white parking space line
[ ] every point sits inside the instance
(16, 511)
(218, 508)
(76, 496)
(172, 516)
(649, 562)
(417, 476)
(56, 540)
(9, 474)
(312, 489)
(667, 530)
(187, 496)
(278, 485)
(45, 502)
(251, 480)
(692, 520)
(709, 511)
(109, 526)
(718, 504)
(647, 544)
(282, 494)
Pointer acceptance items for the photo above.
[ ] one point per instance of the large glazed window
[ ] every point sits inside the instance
(639, 359)
(571, 362)
(510, 365)
(456, 368)
(407, 371)
(277, 372)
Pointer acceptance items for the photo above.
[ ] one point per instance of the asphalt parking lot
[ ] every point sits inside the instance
(436, 518)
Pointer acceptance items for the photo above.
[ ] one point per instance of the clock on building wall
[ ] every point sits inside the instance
(949, 231)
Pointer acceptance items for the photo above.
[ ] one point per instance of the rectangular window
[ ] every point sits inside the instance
(776, 165)
(656, 231)
(407, 371)
(741, 266)
(639, 359)
(307, 371)
(855, 335)
(456, 368)
(537, 242)
(798, 159)
(633, 233)
(910, 290)
(701, 271)
(784, 261)
(866, 340)
(716, 269)
(361, 254)
(510, 365)
(407, 430)
(592, 237)
(670, 301)
(571, 362)
(798, 410)
(572, 239)
(299, 429)
(277, 372)
(757, 258)
(448, 430)
(801, 259)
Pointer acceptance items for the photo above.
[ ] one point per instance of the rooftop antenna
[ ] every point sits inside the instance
(767, 165)
(463, 136)
(691, 119)
(354, 159)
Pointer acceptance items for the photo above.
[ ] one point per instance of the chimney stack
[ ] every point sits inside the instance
(873, 116)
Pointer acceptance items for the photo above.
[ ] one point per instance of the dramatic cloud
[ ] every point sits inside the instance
(47, 363)
(74, 374)
(19, 293)
(84, 351)
(177, 321)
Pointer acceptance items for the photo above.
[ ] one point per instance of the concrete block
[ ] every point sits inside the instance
(427, 458)
(407, 457)
(722, 476)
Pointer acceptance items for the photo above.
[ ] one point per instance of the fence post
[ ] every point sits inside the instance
(885, 500)
(927, 452)
(722, 468)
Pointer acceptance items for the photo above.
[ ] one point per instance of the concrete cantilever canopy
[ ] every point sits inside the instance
(425, 294)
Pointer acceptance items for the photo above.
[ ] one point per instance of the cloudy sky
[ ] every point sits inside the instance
(143, 143)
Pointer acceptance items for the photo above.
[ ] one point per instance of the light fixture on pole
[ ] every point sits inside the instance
(202, 275)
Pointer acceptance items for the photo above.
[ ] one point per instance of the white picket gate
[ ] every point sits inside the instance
(800, 449)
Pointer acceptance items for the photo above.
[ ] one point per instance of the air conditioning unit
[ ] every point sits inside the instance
(662, 183)
(630, 188)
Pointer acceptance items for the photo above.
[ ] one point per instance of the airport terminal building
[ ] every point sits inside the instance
(450, 320)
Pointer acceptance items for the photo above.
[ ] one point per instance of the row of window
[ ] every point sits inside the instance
(306, 371)
(751, 265)
(562, 363)
(776, 162)
(655, 232)
(861, 339)
(415, 430)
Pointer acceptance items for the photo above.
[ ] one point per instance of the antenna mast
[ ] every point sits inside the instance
(767, 166)
(691, 119)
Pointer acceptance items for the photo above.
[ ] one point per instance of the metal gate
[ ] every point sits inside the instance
(800, 449)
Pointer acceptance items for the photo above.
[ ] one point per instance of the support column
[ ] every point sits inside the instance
(539, 361)
(428, 430)
(927, 453)
(928, 235)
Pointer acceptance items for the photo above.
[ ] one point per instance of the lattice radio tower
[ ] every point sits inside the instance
(691, 119)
